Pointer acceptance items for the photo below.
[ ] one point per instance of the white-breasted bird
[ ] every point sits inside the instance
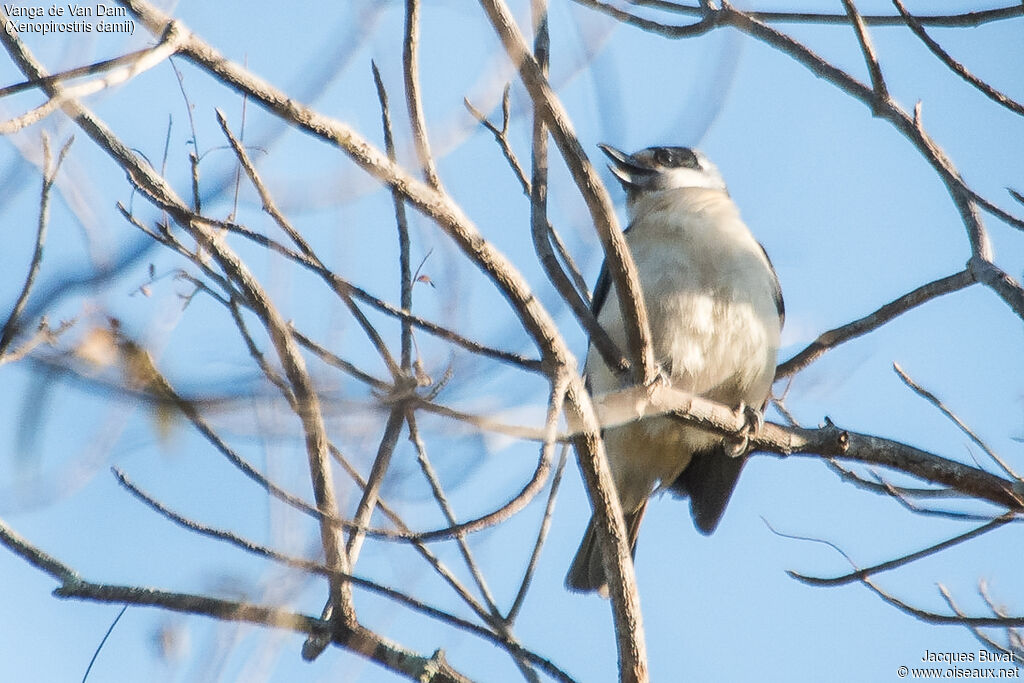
(715, 311)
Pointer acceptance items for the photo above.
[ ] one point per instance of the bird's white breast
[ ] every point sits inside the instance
(715, 327)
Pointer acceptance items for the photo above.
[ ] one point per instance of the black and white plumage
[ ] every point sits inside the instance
(715, 310)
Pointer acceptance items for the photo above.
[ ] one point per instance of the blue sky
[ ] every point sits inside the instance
(849, 212)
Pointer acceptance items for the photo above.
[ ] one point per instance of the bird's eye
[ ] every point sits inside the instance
(674, 157)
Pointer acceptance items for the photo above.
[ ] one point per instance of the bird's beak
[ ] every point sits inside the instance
(632, 175)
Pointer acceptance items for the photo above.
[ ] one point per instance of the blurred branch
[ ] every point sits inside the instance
(50, 170)
(574, 292)
(437, 490)
(494, 617)
(1014, 644)
(271, 208)
(965, 19)
(424, 551)
(154, 187)
(134, 64)
(313, 567)
(560, 364)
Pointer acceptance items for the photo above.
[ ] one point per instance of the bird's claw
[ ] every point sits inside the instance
(753, 422)
(661, 379)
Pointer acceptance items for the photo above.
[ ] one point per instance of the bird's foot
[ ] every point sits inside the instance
(663, 378)
(753, 421)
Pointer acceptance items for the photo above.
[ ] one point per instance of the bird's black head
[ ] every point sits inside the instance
(662, 168)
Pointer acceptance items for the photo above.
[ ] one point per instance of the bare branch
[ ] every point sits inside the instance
(271, 208)
(542, 534)
(503, 273)
(574, 292)
(36, 557)
(617, 254)
(861, 574)
(410, 63)
(146, 179)
(401, 218)
(890, 311)
(368, 501)
(955, 66)
(347, 640)
(881, 93)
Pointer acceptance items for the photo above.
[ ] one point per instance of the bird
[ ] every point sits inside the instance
(715, 313)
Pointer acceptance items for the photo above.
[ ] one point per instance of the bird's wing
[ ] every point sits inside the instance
(601, 288)
(776, 288)
(604, 284)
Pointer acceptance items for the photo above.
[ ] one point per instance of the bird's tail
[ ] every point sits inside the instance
(587, 571)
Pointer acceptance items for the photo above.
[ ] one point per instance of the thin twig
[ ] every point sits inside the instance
(935, 401)
(431, 559)
(618, 258)
(955, 66)
(981, 636)
(103, 641)
(336, 361)
(861, 574)
(930, 617)
(437, 490)
(575, 293)
(410, 70)
(542, 534)
(494, 616)
(835, 337)
(1014, 645)
(271, 208)
(401, 222)
(193, 156)
(877, 81)
(501, 136)
(886, 488)
(313, 567)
